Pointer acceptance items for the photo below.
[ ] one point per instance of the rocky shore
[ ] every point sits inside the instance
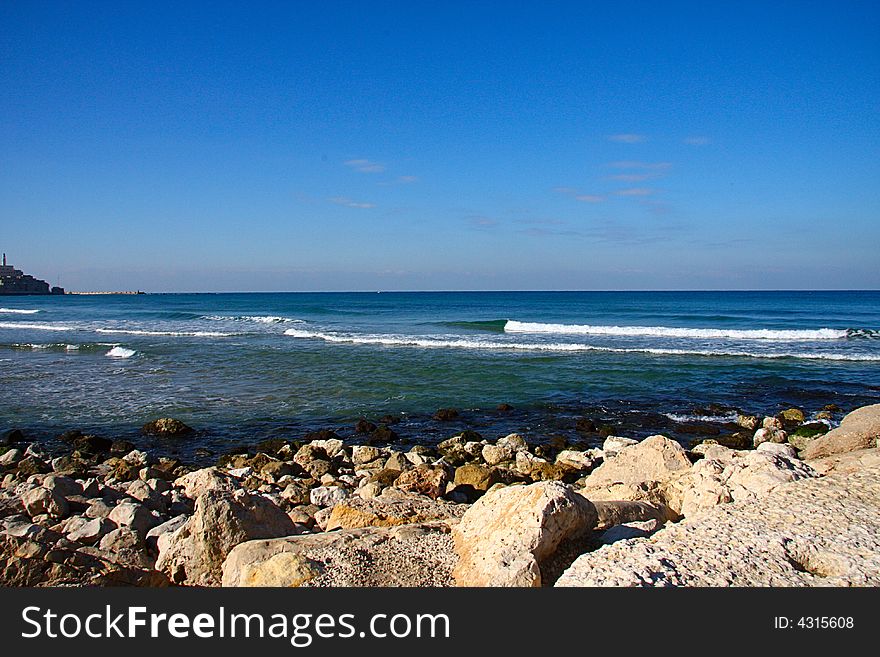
(780, 501)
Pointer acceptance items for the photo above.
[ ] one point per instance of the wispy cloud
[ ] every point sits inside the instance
(637, 164)
(627, 138)
(481, 222)
(365, 166)
(578, 196)
(697, 140)
(407, 179)
(347, 202)
(635, 191)
(634, 177)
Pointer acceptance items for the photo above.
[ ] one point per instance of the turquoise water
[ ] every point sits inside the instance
(239, 366)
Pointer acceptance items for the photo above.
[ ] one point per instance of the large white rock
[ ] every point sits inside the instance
(506, 535)
(201, 481)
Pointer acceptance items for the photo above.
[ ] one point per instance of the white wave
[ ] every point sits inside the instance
(730, 417)
(407, 341)
(34, 327)
(121, 352)
(72, 347)
(18, 311)
(262, 319)
(186, 334)
(513, 326)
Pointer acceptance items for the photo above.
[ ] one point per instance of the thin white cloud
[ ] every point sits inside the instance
(697, 140)
(347, 202)
(635, 191)
(365, 166)
(627, 138)
(636, 164)
(407, 179)
(633, 177)
(589, 198)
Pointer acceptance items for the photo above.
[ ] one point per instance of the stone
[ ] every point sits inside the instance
(390, 510)
(792, 417)
(772, 423)
(125, 545)
(629, 530)
(618, 512)
(414, 555)
(11, 457)
(858, 430)
(364, 454)
(39, 501)
(325, 496)
(425, 480)
(771, 435)
(201, 481)
(821, 531)
(513, 441)
(92, 531)
(750, 422)
(506, 535)
(194, 553)
(453, 451)
(495, 454)
(133, 516)
(477, 477)
(446, 415)
(576, 460)
(166, 426)
(655, 459)
(614, 444)
(167, 527)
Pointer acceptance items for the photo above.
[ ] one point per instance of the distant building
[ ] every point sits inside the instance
(15, 281)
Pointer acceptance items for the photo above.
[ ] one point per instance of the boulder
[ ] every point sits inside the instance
(133, 516)
(614, 444)
(39, 501)
(194, 553)
(479, 478)
(92, 531)
(402, 556)
(858, 430)
(424, 480)
(327, 496)
(506, 535)
(166, 426)
(495, 454)
(769, 435)
(656, 459)
(390, 509)
(750, 422)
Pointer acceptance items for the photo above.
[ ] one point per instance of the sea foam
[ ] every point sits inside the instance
(261, 319)
(514, 326)
(121, 352)
(34, 327)
(182, 334)
(18, 311)
(463, 343)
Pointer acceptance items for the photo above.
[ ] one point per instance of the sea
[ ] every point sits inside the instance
(241, 368)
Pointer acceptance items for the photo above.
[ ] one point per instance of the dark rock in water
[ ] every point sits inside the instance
(121, 447)
(791, 418)
(70, 436)
(322, 434)
(389, 419)
(445, 414)
(469, 435)
(585, 425)
(92, 445)
(713, 409)
(557, 443)
(382, 434)
(166, 426)
(738, 440)
(606, 430)
(203, 452)
(14, 436)
(364, 426)
(272, 446)
(832, 408)
(504, 407)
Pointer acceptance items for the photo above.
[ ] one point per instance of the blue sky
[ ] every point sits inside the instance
(408, 146)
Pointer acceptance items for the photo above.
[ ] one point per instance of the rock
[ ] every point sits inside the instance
(858, 430)
(771, 435)
(136, 458)
(425, 480)
(331, 446)
(92, 445)
(772, 423)
(167, 527)
(166, 426)
(814, 532)
(11, 457)
(383, 434)
(504, 407)
(618, 512)
(445, 415)
(397, 461)
(278, 469)
(390, 510)
(655, 459)
(514, 442)
(12, 437)
(791, 417)
(576, 460)
(364, 454)
(127, 546)
(194, 553)
(40, 501)
(364, 426)
(133, 516)
(495, 454)
(750, 422)
(401, 556)
(629, 530)
(454, 451)
(92, 531)
(614, 444)
(506, 535)
(325, 496)
(98, 509)
(31, 465)
(296, 493)
(585, 425)
(479, 478)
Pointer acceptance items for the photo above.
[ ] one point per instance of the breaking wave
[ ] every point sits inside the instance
(513, 326)
(463, 343)
(34, 327)
(182, 334)
(262, 319)
(18, 311)
(121, 352)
